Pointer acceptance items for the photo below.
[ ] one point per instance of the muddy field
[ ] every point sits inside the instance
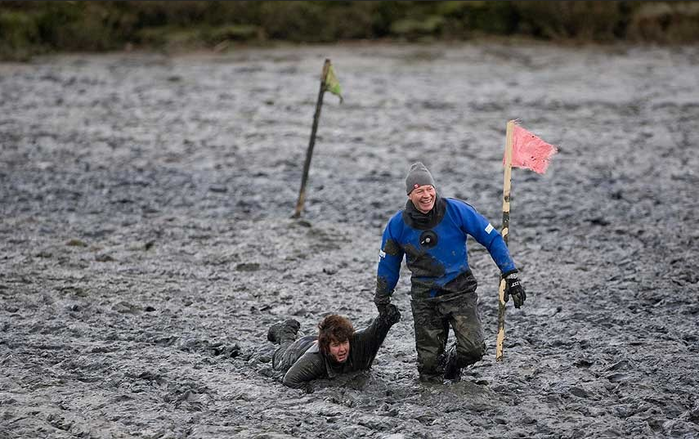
(146, 243)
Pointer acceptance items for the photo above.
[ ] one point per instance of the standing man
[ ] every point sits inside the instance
(431, 233)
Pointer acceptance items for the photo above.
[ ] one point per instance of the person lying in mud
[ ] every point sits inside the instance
(337, 349)
(431, 234)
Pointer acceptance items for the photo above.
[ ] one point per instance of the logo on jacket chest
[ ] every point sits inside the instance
(428, 239)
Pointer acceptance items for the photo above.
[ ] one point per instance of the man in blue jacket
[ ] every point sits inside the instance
(431, 234)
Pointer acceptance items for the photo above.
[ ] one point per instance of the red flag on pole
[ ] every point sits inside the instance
(523, 150)
(529, 151)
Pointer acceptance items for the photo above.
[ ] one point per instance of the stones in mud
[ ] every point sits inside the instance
(388, 410)
(104, 258)
(73, 291)
(222, 348)
(248, 266)
(124, 307)
(693, 415)
(271, 373)
(617, 377)
(59, 422)
(73, 307)
(7, 401)
(76, 243)
(377, 423)
(304, 223)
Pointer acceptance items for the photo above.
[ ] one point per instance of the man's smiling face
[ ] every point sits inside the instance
(423, 198)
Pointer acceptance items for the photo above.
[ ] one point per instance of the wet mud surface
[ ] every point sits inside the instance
(146, 243)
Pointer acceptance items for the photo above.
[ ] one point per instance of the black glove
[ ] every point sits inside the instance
(389, 314)
(514, 288)
(381, 303)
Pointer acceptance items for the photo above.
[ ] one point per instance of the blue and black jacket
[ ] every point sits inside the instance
(434, 246)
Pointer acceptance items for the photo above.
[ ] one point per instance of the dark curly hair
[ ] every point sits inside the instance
(333, 328)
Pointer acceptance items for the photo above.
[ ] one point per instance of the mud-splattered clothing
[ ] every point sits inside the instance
(433, 316)
(443, 289)
(303, 361)
(434, 246)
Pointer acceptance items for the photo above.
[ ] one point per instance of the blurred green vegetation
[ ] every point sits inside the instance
(35, 27)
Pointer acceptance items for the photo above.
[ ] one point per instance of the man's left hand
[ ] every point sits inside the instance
(514, 288)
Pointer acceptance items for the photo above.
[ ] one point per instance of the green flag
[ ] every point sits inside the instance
(332, 84)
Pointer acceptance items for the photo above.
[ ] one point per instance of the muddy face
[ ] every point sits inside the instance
(339, 351)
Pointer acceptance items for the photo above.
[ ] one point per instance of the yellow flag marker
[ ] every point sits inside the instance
(332, 84)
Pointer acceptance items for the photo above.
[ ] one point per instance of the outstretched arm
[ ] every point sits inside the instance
(366, 342)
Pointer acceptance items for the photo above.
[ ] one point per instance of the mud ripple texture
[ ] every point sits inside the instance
(147, 245)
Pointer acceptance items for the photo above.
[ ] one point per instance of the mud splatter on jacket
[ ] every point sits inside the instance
(311, 364)
(434, 246)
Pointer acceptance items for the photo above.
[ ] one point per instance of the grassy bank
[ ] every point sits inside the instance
(29, 28)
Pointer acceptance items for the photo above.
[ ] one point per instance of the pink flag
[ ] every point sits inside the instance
(529, 151)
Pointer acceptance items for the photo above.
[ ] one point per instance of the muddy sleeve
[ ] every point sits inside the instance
(390, 258)
(366, 343)
(485, 234)
(307, 368)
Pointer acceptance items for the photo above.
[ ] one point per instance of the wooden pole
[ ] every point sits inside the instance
(505, 234)
(311, 143)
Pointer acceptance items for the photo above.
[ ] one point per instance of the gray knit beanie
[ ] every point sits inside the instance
(418, 175)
